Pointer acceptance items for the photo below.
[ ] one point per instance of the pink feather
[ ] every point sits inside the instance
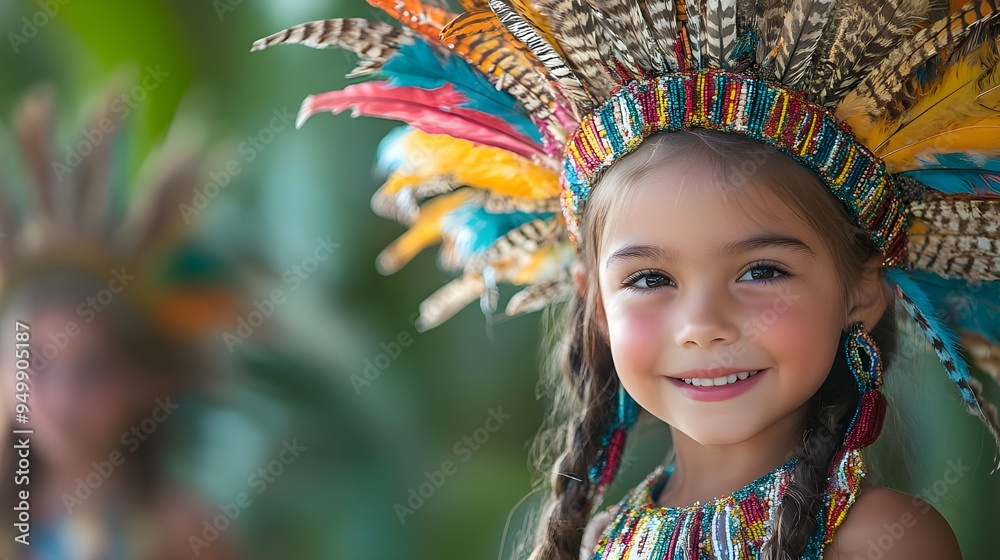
(435, 111)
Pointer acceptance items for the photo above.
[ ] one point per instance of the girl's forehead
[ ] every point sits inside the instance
(691, 207)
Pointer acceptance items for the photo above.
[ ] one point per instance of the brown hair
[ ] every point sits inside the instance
(569, 443)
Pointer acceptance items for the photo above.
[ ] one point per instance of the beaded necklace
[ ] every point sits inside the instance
(727, 528)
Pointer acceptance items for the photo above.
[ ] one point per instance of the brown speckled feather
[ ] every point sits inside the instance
(575, 27)
(661, 18)
(519, 242)
(373, 41)
(34, 127)
(538, 296)
(985, 354)
(881, 90)
(770, 20)
(799, 36)
(862, 34)
(449, 300)
(403, 206)
(625, 20)
(955, 236)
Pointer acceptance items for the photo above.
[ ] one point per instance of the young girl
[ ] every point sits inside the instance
(725, 320)
(739, 200)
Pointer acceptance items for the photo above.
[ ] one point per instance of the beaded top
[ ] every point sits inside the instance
(727, 528)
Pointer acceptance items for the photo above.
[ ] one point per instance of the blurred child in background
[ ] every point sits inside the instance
(112, 313)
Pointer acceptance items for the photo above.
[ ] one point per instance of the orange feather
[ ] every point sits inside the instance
(482, 41)
(546, 263)
(976, 135)
(426, 231)
(422, 18)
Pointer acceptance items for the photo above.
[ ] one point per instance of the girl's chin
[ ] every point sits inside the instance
(716, 431)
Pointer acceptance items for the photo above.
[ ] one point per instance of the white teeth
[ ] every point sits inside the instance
(719, 381)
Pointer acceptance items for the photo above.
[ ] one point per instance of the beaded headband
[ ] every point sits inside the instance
(720, 100)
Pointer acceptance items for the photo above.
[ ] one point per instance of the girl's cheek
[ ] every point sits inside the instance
(792, 319)
(636, 341)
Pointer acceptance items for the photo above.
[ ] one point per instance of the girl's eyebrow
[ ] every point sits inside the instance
(653, 252)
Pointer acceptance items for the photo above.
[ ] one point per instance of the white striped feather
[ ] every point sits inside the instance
(521, 29)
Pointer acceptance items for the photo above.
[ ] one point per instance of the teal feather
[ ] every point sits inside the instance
(959, 173)
(474, 230)
(964, 305)
(942, 337)
(743, 50)
(389, 156)
(420, 65)
(933, 305)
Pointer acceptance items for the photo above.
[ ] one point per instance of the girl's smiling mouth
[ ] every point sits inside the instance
(721, 380)
(721, 387)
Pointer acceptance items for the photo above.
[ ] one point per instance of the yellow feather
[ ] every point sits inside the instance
(475, 165)
(975, 135)
(961, 93)
(544, 264)
(424, 232)
(855, 111)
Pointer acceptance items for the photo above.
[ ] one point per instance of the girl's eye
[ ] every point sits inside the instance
(645, 280)
(763, 272)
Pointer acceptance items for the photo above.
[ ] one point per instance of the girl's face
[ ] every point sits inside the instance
(83, 392)
(698, 285)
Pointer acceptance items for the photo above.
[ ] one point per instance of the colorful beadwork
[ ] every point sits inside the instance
(732, 527)
(612, 447)
(720, 100)
(865, 363)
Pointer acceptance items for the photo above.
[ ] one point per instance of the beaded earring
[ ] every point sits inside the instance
(612, 445)
(865, 362)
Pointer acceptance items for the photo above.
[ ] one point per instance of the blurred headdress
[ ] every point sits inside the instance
(514, 108)
(78, 213)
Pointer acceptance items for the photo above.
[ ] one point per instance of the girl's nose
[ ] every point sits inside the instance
(705, 318)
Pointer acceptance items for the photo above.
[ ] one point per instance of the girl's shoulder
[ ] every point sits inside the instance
(888, 524)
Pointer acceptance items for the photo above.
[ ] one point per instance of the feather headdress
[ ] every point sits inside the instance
(515, 107)
(71, 218)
